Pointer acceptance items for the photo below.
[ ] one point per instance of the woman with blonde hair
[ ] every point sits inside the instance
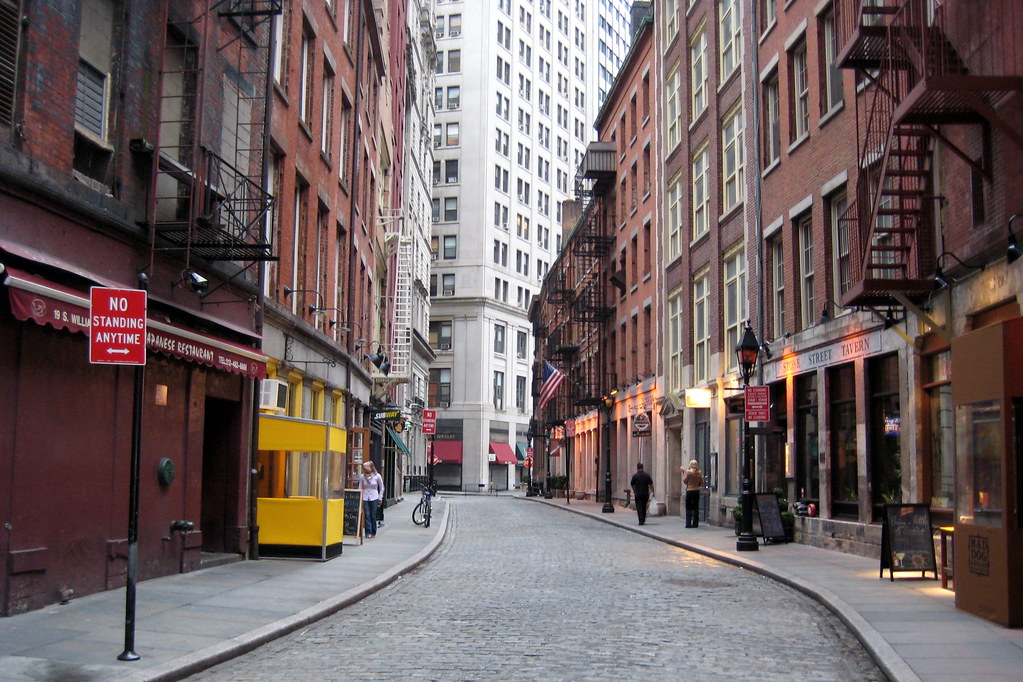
(372, 486)
(693, 480)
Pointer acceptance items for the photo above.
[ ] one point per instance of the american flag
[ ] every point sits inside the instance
(552, 378)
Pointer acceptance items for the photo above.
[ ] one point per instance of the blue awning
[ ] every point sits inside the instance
(398, 442)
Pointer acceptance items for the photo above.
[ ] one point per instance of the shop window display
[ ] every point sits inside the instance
(979, 452)
(844, 472)
(885, 432)
(808, 476)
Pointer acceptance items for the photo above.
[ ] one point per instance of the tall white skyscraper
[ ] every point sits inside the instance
(517, 89)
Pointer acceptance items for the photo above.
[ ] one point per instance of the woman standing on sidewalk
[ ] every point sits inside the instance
(693, 480)
(372, 486)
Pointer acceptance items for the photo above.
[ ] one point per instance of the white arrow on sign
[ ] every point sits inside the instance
(119, 351)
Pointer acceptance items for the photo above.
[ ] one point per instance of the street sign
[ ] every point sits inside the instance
(117, 326)
(569, 428)
(529, 452)
(758, 403)
(528, 462)
(429, 422)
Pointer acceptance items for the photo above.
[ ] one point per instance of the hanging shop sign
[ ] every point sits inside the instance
(641, 425)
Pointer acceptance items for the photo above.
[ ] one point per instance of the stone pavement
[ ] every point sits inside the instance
(188, 622)
(910, 626)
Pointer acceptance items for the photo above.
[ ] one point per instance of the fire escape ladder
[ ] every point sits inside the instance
(208, 198)
(400, 350)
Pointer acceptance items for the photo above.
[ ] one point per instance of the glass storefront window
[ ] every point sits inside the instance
(774, 461)
(808, 477)
(844, 469)
(733, 448)
(885, 429)
(941, 431)
(979, 464)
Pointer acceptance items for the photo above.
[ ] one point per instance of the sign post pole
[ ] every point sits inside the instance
(117, 336)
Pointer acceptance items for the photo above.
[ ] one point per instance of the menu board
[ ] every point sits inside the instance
(353, 514)
(907, 540)
(771, 526)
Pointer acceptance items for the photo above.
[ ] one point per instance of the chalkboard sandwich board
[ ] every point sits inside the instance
(353, 524)
(907, 542)
(771, 526)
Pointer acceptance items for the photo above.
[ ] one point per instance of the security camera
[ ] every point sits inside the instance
(196, 282)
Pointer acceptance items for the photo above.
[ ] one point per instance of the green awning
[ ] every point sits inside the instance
(398, 442)
(520, 451)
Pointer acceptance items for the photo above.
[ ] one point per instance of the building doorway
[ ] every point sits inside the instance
(221, 462)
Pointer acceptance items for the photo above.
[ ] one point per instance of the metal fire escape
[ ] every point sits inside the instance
(400, 349)
(208, 198)
(579, 289)
(929, 65)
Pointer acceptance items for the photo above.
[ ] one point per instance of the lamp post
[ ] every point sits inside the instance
(608, 404)
(747, 352)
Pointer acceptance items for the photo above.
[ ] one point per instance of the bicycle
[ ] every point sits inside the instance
(422, 512)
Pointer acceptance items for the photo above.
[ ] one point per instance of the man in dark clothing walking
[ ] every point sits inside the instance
(642, 489)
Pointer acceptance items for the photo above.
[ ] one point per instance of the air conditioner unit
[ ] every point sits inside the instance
(436, 219)
(439, 33)
(448, 292)
(273, 395)
(455, 32)
(433, 256)
(445, 346)
(443, 404)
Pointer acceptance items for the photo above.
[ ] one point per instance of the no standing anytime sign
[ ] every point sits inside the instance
(117, 326)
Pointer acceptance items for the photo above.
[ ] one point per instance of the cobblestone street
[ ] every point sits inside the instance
(523, 591)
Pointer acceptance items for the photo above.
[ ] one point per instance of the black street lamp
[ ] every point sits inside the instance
(609, 405)
(747, 352)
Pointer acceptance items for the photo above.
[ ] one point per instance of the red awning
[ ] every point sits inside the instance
(35, 299)
(503, 453)
(448, 451)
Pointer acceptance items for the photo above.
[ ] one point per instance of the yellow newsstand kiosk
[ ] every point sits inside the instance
(300, 508)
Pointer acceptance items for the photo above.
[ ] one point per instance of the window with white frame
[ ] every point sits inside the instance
(840, 237)
(675, 188)
(735, 303)
(670, 21)
(804, 228)
(772, 120)
(499, 339)
(520, 394)
(672, 118)
(732, 156)
(800, 91)
(698, 71)
(448, 284)
(701, 328)
(701, 191)
(731, 36)
(777, 250)
(831, 97)
(676, 320)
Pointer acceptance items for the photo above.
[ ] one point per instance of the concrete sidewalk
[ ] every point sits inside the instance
(188, 622)
(910, 626)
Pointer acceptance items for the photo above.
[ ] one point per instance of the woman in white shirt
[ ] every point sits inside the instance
(372, 486)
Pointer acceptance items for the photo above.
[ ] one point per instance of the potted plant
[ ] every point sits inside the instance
(737, 517)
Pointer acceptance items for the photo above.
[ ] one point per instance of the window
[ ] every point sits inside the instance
(439, 391)
(840, 238)
(327, 112)
(92, 155)
(440, 334)
(451, 171)
(455, 25)
(831, 95)
(454, 97)
(940, 427)
(805, 232)
(672, 120)
(452, 135)
(450, 209)
(842, 422)
(675, 217)
(448, 285)
(772, 118)
(521, 344)
(768, 14)
(701, 193)
(884, 432)
(436, 209)
(305, 98)
(281, 51)
(735, 304)
(701, 329)
(698, 69)
(498, 390)
(499, 339)
(520, 394)
(450, 247)
(731, 36)
(675, 324)
(454, 61)
(800, 92)
(778, 287)
(808, 476)
(732, 154)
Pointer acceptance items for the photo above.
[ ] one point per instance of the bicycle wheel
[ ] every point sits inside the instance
(418, 514)
(427, 513)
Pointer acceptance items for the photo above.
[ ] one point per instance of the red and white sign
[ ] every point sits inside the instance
(117, 326)
(569, 428)
(429, 422)
(529, 452)
(758, 403)
(528, 462)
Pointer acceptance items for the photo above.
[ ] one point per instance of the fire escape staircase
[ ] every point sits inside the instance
(207, 195)
(919, 82)
(399, 351)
